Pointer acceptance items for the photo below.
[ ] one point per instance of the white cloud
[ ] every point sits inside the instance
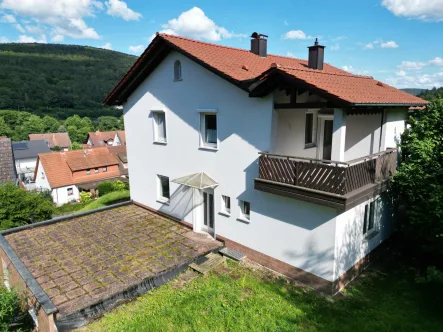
(401, 73)
(286, 23)
(417, 80)
(290, 54)
(136, 49)
(368, 46)
(355, 71)
(7, 18)
(19, 28)
(4, 40)
(295, 34)
(58, 38)
(195, 24)
(64, 16)
(120, 8)
(106, 46)
(34, 29)
(335, 47)
(426, 10)
(412, 65)
(436, 61)
(28, 39)
(389, 44)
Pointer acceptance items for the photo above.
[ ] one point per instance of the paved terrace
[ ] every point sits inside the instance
(81, 261)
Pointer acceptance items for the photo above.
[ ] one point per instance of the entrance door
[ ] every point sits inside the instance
(327, 139)
(208, 212)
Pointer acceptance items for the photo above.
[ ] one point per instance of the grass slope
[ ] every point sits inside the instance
(58, 76)
(246, 300)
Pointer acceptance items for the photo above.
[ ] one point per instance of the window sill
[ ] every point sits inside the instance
(371, 235)
(208, 148)
(243, 219)
(223, 213)
(160, 143)
(310, 146)
(163, 201)
(177, 80)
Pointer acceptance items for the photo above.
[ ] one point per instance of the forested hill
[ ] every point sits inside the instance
(59, 80)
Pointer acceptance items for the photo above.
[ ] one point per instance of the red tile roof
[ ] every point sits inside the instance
(59, 166)
(242, 67)
(53, 139)
(99, 138)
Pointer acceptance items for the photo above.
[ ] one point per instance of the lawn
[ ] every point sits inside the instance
(237, 298)
(108, 199)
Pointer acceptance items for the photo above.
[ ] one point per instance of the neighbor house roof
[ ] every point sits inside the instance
(53, 139)
(122, 136)
(7, 167)
(99, 138)
(243, 68)
(29, 149)
(59, 166)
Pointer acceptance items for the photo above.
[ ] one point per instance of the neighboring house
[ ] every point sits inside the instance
(25, 155)
(285, 160)
(68, 173)
(53, 140)
(120, 153)
(120, 138)
(7, 168)
(101, 138)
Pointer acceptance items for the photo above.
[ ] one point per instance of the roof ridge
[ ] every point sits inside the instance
(326, 73)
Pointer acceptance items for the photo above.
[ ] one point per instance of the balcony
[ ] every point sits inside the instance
(340, 185)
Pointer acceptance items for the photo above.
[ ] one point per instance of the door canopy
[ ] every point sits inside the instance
(197, 180)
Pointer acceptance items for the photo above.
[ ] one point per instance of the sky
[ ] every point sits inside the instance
(399, 42)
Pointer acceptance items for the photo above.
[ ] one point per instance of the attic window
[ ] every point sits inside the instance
(177, 71)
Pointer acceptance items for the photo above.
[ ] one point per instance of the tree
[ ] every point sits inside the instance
(19, 207)
(121, 123)
(4, 129)
(418, 183)
(76, 146)
(108, 123)
(78, 128)
(32, 125)
(51, 124)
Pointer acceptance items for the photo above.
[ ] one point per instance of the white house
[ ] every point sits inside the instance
(285, 160)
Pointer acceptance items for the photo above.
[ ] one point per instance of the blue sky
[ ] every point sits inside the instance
(396, 41)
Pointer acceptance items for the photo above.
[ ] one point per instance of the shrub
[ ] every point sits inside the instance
(19, 207)
(85, 197)
(433, 276)
(110, 186)
(13, 311)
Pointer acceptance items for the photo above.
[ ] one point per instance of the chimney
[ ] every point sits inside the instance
(259, 44)
(316, 56)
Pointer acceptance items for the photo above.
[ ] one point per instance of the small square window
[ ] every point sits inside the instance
(209, 129)
(245, 209)
(159, 127)
(70, 191)
(88, 171)
(105, 169)
(369, 218)
(163, 187)
(226, 204)
(96, 170)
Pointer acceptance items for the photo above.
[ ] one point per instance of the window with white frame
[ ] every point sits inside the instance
(88, 171)
(159, 126)
(208, 129)
(70, 191)
(310, 128)
(43, 175)
(105, 169)
(163, 187)
(96, 170)
(226, 204)
(245, 208)
(369, 218)
(177, 71)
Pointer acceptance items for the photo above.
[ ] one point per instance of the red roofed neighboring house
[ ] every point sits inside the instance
(120, 138)
(66, 173)
(53, 140)
(285, 160)
(101, 138)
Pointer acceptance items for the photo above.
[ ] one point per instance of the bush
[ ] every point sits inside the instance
(111, 186)
(85, 197)
(109, 199)
(19, 207)
(13, 311)
(433, 276)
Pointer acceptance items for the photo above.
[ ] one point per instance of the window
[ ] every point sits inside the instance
(43, 176)
(159, 127)
(70, 191)
(226, 204)
(368, 223)
(105, 169)
(96, 170)
(245, 209)
(163, 187)
(209, 129)
(88, 171)
(177, 71)
(310, 128)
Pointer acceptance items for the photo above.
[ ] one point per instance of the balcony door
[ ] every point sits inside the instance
(325, 137)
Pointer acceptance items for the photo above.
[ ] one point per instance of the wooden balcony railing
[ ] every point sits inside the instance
(326, 175)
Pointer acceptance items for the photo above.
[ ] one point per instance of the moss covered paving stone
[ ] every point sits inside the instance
(82, 260)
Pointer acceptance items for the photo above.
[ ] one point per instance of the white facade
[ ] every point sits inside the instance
(308, 236)
(60, 195)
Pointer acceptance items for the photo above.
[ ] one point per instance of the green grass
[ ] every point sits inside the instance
(68, 208)
(108, 199)
(246, 300)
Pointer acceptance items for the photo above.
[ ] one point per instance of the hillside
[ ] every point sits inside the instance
(413, 91)
(432, 94)
(59, 80)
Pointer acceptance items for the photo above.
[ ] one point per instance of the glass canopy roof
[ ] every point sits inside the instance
(197, 180)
